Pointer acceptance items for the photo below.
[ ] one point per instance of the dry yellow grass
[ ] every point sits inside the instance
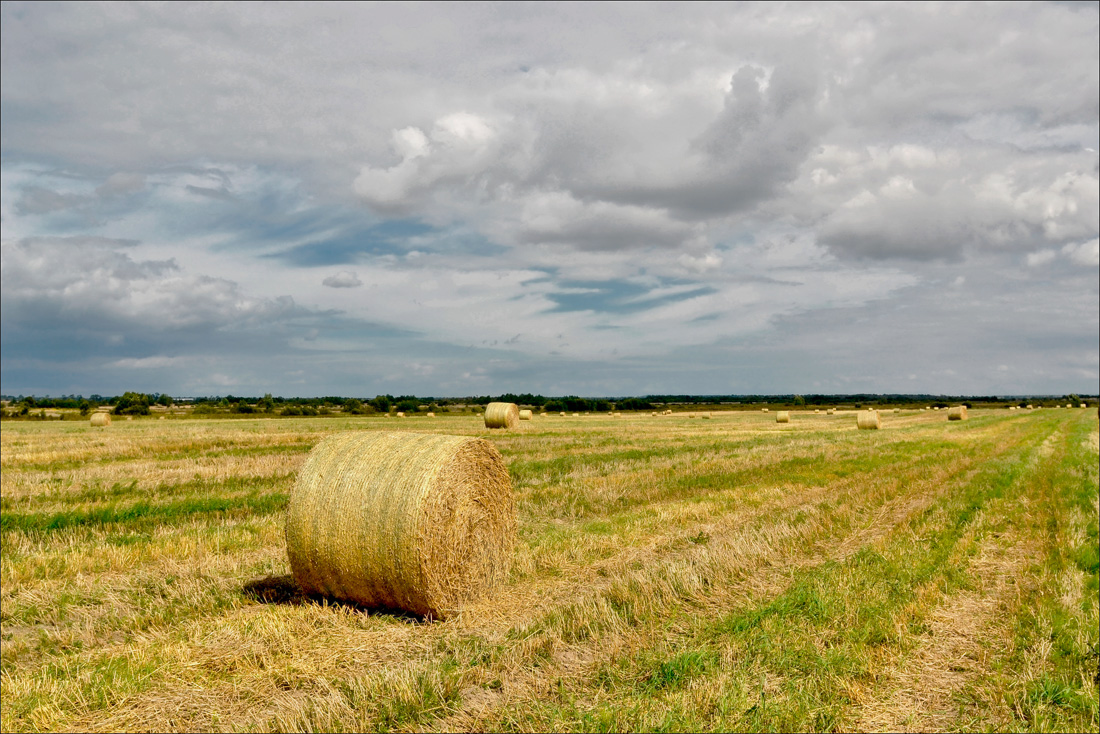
(642, 545)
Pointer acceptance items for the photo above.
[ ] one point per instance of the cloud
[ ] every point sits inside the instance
(1085, 253)
(614, 183)
(58, 283)
(38, 200)
(145, 363)
(343, 279)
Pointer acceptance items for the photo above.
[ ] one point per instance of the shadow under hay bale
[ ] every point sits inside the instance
(285, 590)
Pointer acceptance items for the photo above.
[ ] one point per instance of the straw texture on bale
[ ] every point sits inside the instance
(525, 415)
(501, 415)
(101, 419)
(868, 420)
(782, 416)
(957, 413)
(412, 521)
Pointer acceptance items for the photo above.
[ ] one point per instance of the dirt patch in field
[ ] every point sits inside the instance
(921, 693)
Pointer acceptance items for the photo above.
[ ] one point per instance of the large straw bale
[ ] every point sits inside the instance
(412, 521)
(501, 415)
(101, 419)
(830, 411)
(868, 420)
(525, 415)
(1083, 405)
(957, 413)
(782, 416)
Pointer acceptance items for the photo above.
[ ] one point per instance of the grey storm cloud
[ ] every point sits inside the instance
(343, 279)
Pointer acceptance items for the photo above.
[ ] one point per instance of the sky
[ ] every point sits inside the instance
(593, 199)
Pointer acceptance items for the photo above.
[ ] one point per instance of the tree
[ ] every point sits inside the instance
(799, 400)
(132, 403)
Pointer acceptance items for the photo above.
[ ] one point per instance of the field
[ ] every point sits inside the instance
(672, 573)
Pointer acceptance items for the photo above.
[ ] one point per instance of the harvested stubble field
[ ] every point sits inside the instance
(670, 574)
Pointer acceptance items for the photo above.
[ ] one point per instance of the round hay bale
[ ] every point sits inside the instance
(782, 416)
(1083, 405)
(100, 420)
(431, 414)
(400, 414)
(830, 411)
(563, 414)
(576, 415)
(957, 413)
(525, 415)
(412, 521)
(501, 415)
(764, 410)
(868, 420)
(817, 411)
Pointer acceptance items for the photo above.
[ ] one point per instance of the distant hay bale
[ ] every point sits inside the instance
(653, 413)
(411, 521)
(897, 410)
(764, 410)
(562, 414)
(868, 420)
(957, 413)
(501, 415)
(830, 411)
(101, 419)
(576, 415)
(525, 415)
(1083, 405)
(431, 414)
(816, 411)
(1030, 406)
(400, 414)
(782, 416)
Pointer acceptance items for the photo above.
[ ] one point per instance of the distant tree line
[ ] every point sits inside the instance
(136, 403)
